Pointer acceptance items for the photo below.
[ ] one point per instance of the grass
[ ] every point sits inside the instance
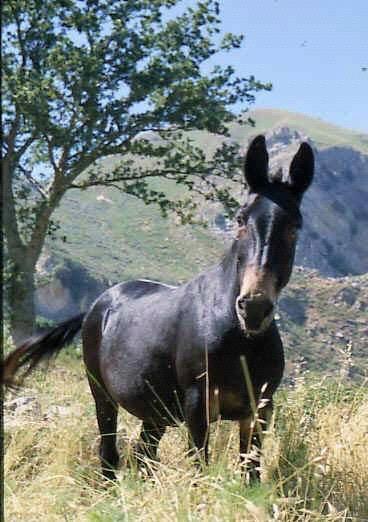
(315, 464)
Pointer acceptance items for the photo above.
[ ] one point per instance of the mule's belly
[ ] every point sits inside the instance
(161, 412)
(151, 394)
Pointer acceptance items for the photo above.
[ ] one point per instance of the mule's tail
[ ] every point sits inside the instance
(37, 348)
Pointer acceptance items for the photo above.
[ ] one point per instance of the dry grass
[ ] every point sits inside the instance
(315, 465)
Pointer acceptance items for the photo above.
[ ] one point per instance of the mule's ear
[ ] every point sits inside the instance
(256, 164)
(301, 169)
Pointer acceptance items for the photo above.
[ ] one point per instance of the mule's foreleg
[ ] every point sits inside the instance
(197, 422)
(251, 434)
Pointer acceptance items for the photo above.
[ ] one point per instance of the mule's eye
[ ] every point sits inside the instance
(239, 220)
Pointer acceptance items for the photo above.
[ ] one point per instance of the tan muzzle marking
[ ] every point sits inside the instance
(256, 282)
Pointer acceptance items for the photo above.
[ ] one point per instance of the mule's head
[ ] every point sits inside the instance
(268, 227)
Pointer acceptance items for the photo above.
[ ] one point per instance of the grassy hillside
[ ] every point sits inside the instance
(119, 238)
(322, 133)
(315, 466)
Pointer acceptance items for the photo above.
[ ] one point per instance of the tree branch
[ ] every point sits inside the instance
(167, 174)
(14, 241)
(19, 153)
(51, 154)
(13, 238)
(34, 183)
(10, 138)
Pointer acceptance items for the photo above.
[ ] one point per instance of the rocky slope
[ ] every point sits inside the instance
(323, 322)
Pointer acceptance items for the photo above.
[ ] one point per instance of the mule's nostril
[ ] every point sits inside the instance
(255, 310)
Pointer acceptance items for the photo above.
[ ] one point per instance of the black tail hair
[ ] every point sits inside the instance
(37, 348)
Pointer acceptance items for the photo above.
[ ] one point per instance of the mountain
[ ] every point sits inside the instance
(335, 236)
(111, 237)
(130, 239)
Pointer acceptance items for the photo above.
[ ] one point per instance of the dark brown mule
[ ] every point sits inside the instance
(201, 350)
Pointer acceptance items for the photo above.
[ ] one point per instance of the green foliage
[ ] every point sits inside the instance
(83, 80)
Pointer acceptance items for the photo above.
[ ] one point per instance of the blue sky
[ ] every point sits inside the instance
(312, 52)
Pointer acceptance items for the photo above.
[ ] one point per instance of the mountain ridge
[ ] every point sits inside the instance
(323, 133)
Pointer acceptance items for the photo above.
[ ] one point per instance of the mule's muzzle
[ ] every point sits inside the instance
(254, 312)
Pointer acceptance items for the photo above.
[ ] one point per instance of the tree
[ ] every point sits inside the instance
(84, 79)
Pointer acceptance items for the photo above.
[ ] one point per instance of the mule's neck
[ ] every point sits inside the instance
(228, 269)
(222, 288)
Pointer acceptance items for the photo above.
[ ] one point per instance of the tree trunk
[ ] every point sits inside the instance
(20, 296)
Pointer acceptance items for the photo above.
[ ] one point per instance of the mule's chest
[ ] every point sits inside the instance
(227, 403)
(234, 383)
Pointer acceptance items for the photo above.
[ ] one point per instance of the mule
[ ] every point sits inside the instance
(209, 348)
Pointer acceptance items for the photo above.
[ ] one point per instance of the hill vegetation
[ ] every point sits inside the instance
(119, 238)
(323, 325)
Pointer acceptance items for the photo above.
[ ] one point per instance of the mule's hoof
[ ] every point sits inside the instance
(109, 474)
(253, 477)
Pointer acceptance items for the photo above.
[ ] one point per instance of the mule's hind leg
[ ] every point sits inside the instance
(149, 439)
(107, 413)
